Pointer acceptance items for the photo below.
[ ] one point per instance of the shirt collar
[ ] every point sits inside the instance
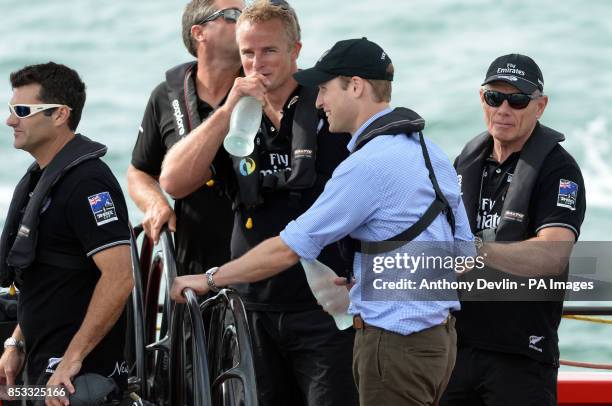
(353, 141)
(508, 162)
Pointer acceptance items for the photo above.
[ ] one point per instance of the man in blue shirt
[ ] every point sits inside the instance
(386, 190)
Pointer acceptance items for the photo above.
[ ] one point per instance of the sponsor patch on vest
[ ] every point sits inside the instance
(303, 153)
(23, 231)
(568, 193)
(178, 116)
(513, 216)
(247, 166)
(103, 208)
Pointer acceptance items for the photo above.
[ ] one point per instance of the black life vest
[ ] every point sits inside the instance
(19, 236)
(514, 222)
(485, 324)
(303, 158)
(400, 121)
(183, 97)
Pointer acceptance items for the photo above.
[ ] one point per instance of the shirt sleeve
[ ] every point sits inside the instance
(149, 151)
(559, 197)
(349, 199)
(97, 213)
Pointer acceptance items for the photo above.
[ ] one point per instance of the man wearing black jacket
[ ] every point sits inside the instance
(191, 92)
(65, 242)
(519, 185)
(301, 358)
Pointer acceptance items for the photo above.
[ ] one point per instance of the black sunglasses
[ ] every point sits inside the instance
(228, 14)
(517, 101)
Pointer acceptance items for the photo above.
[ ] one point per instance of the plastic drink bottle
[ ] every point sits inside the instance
(333, 298)
(244, 124)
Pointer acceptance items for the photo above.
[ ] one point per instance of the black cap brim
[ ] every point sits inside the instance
(521, 84)
(312, 77)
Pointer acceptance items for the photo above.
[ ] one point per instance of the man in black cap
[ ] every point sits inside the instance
(404, 351)
(519, 184)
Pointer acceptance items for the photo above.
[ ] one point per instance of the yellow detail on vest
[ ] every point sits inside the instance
(249, 223)
(210, 183)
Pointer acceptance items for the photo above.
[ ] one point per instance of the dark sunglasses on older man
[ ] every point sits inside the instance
(517, 101)
(229, 14)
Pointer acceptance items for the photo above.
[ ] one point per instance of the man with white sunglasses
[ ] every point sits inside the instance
(65, 242)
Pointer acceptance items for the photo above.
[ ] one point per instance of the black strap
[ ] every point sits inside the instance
(24, 249)
(432, 177)
(439, 205)
(378, 247)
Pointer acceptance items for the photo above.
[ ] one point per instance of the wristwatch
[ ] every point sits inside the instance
(209, 279)
(478, 243)
(13, 342)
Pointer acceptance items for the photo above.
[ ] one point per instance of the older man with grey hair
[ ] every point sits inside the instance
(519, 185)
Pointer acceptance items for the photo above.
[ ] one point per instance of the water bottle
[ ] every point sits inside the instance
(334, 299)
(244, 124)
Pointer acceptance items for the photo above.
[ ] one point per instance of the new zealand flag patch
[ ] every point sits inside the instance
(103, 208)
(568, 193)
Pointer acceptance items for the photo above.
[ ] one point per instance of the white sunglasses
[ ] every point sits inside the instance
(27, 110)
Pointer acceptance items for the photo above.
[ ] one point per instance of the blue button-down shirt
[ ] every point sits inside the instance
(373, 195)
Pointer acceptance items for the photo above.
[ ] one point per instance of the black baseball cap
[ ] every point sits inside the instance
(518, 70)
(351, 57)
